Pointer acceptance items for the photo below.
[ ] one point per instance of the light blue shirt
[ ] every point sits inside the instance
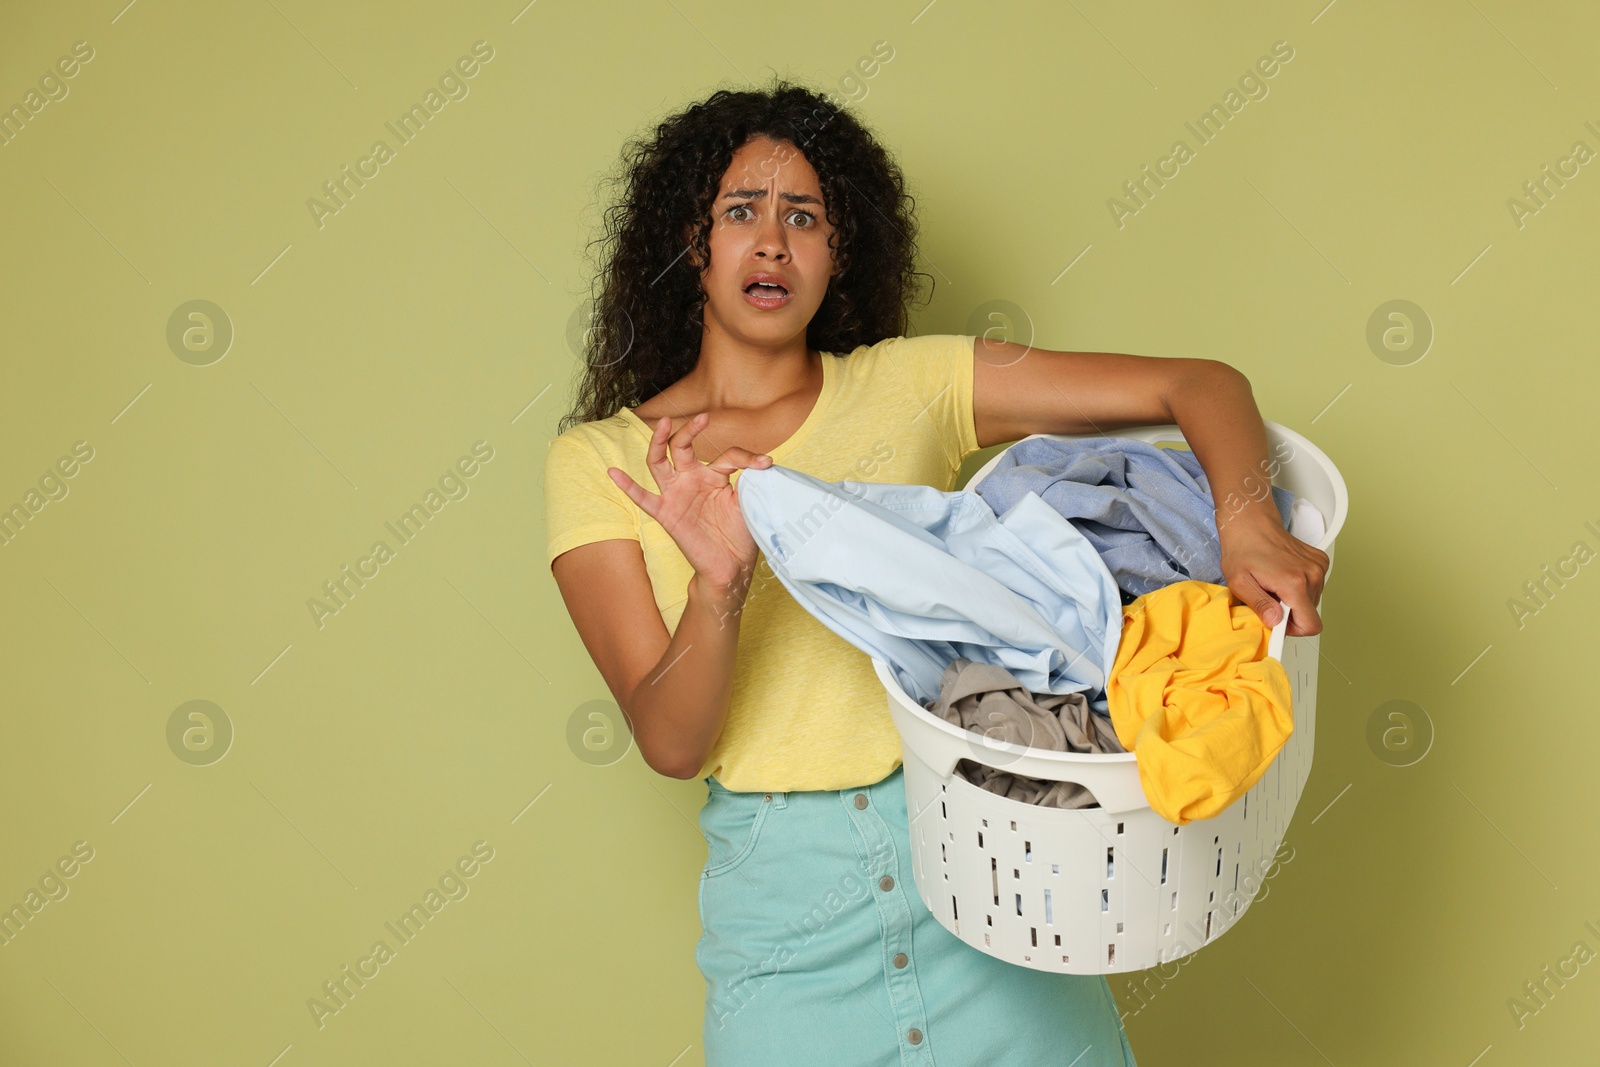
(1147, 510)
(917, 577)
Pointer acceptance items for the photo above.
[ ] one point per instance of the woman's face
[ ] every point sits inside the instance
(768, 218)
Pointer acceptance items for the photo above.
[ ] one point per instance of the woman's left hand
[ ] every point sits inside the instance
(1261, 560)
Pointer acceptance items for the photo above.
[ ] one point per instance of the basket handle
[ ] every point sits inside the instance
(1279, 632)
(1111, 776)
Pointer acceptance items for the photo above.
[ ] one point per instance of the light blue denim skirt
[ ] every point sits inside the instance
(817, 950)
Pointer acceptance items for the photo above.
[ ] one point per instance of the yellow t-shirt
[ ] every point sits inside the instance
(806, 711)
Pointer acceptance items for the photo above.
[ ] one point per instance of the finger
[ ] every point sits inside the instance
(655, 456)
(648, 502)
(735, 458)
(683, 457)
(1295, 592)
(1251, 592)
(1303, 618)
(1306, 622)
(1319, 575)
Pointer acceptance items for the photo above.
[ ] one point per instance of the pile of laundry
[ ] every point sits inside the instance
(1070, 601)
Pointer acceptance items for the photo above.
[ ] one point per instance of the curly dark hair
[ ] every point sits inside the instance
(645, 329)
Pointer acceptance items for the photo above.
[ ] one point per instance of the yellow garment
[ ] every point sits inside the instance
(1194, 696)
(807, 711)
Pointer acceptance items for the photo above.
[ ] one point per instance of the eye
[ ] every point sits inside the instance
(808, 216)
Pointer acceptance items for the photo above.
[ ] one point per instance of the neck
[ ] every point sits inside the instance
(734, 372)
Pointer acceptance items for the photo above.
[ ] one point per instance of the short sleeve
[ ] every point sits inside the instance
(941, 367)
(581, 502)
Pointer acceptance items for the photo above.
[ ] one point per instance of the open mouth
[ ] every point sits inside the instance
(767, 296)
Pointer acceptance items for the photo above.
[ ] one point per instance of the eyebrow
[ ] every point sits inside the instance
(757, 194)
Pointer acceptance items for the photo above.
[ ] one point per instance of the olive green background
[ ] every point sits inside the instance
(445, 704)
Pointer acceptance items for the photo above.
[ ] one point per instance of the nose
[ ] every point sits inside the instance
(771, 241)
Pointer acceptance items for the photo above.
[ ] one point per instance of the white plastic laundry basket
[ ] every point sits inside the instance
(1114, 888)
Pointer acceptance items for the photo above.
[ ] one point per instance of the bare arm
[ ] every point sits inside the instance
(1019, 390)
(674, 689)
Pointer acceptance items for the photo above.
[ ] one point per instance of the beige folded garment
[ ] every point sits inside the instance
(987, 699)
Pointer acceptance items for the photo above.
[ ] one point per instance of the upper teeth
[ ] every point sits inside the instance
(768, 285)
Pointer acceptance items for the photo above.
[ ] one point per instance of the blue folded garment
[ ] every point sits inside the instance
(919, 578)
(1147, 510)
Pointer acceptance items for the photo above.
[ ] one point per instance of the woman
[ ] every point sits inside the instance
(753, 308)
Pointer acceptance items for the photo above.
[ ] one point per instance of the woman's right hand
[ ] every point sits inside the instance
(697, 505)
